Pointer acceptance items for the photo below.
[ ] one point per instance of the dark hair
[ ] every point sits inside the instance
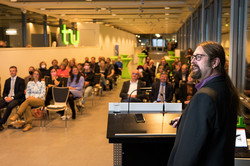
(215, 50)
(13, 67)
(40, 75)
(93, 57)
(32, 67)
(42, 62)
(72, 75)
(190, 51)
(54, 60)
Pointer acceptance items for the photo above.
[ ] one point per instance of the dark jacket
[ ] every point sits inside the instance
(155, 91)
(207, 128)
(90, 78)
(183, 93)
(18, 90)
(125, 88)
(95, 67)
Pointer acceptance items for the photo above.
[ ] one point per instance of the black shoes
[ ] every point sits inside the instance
(1, 127)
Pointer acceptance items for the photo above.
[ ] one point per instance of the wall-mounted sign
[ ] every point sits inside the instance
(72, 41)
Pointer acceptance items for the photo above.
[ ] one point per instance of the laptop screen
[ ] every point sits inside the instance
(241, 139)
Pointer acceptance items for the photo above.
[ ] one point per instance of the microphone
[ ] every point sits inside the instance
(163, 106)
(129, 98)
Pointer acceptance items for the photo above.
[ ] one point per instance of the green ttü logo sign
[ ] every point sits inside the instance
(64, 33)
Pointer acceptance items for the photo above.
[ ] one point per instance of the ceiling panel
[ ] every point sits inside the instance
(135, 16)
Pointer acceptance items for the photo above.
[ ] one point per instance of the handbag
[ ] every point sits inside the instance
(38, 113)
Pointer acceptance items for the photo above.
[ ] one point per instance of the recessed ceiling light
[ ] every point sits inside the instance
(167, 14)
(121, 18)
(113, 14)
(88, 0)
(167, 8)
(103, 8)
(42, 8)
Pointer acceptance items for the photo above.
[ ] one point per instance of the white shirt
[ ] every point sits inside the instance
(162, 85)
(133, 87)
(36, 90)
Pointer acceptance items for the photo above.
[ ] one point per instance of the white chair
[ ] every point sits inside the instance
(60, 98)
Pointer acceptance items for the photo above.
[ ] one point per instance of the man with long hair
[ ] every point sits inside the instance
(207, 128)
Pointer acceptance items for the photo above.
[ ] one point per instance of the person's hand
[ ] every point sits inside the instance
(186, 102)
(176, 122)
(31, 97)
(8, 99)
(71, 88)
(133, 96)
(56, 82)
(102, 75)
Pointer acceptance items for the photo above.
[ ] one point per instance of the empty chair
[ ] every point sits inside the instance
(60, 97)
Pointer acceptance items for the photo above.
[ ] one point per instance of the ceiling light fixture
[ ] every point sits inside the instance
(167, 14)
(103, 9)
(89, 0)
(42, 9)
(167, 8)
(113, 14)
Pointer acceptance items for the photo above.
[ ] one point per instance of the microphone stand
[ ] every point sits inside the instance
(163, 105)
(129, 98)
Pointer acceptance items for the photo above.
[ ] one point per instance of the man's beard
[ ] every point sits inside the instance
(196, 74)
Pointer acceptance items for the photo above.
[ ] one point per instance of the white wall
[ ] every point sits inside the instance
(25, 57)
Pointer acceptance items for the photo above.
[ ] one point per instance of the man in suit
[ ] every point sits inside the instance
(131, 89)
(94, 66)
(13, 94)
(207, 129)
(162, 90)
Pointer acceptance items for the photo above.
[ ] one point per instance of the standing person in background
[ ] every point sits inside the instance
(103, 72)
(207, 129)
(35, 96)
(188, 56)
(43, 70)
(29, 77)
(54, 65)
(13, 94)
(120, 65)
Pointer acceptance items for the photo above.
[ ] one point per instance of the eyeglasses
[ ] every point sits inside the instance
(135, 73)
(197, 57)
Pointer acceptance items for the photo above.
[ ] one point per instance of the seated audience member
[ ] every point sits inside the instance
(120, 65)
(148, 60)
(116, 68)
(94, 66)
(54, 65)
(53, 81)
(103, 72)
(187, 90)
(131, 90)
(89, 77)
(43, 69)
(165, 65)
(145, 74)
(177, 68)
(71, 64)
(162, 90)
(66, 61)
(110, 73)
(63, 72)
(99, 60)
(29, 77)
(176, 60)
(80, 68)
(86, 60)
(75, 84)
(160, 69)
(13, 94)
(182, 75)
(152, 68)
(35, 96)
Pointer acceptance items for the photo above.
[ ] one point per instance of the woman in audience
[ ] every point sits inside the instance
(63, 72)
(53, 81)
(43, 69)
(71, 64)
(35, 96)
(75, 84)
(187, 91)
(66, 61)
